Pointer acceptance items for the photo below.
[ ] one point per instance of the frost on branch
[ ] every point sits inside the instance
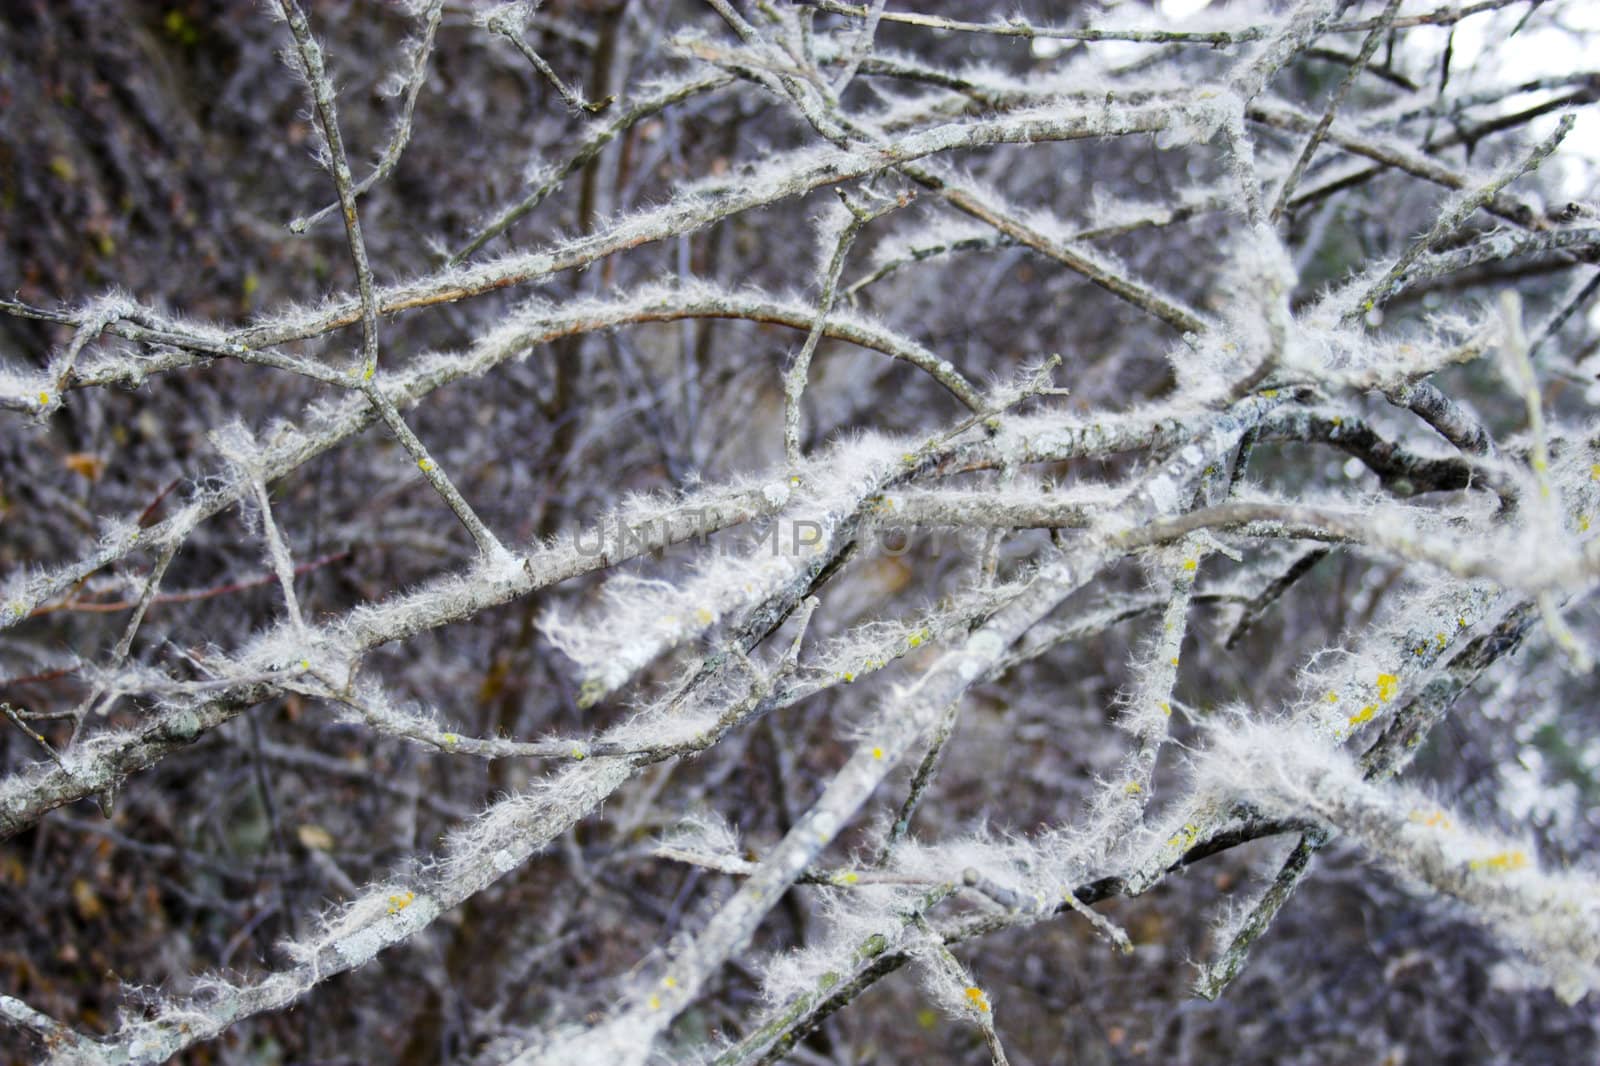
(750, 534)
(1551, 915)
(641, 618)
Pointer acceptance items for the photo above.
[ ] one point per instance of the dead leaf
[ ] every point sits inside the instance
(85, 464)
(314, 838)
(86, 900)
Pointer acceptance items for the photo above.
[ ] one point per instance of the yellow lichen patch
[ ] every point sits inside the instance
(669, 981)
(877, 753)
(1166, 708)
(305, 664)
(1388, 685)
(578, 753)
(654, 1001)
(1440, 637)
(1333, 697)
(1269, 394)
(1133, 788)
(1184, 838)
(450, 740)
(1364, 715)
(977, 999)
(1174, 660)
(845, 877)
(1583, 523)
(1433, 819)
(425, 464)
(1191, 564)
(1501, 862)
(401, 900)
(180, 29)
(704, 616)
(1594, 472)
(44, 399)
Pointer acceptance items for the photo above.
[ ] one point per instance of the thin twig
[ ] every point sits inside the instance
(505, 26)
(1451, 219)
(1303, 160)
(402, 128)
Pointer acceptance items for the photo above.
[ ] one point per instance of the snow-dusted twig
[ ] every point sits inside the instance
(413, 81)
